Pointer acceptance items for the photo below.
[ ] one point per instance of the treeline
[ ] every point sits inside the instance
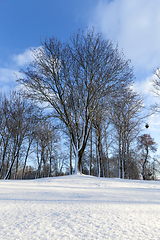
(33, 144)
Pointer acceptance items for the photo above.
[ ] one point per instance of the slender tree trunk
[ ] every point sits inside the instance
(144, 164)
(122, 168)
(97, 155)
(17, 165)
(3, 158)
(90, 162)
(38, 175)
(17, 156)
(153, 169)
(79, 162)
(128, 159)
(39, 169)
(71, 156)
(42, 160)
(120, 160)
(99, 169)
(8, 174)
(100, 151)
(50, 166)
(106, 153)
(27, 153)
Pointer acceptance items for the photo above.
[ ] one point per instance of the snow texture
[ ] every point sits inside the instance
(79, 207)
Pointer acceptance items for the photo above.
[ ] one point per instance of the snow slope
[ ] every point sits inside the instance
(79, 207)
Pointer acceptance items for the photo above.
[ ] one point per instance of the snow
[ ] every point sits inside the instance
(79, 207)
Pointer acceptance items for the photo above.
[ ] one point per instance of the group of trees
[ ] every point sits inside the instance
(24, 131)
(95, 115)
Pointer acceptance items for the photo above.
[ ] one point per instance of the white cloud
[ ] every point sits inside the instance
(144, 87)
(24, 58)
(9, 75)
(6, 75)
(135, 25)
(154, 122)
(8, 79)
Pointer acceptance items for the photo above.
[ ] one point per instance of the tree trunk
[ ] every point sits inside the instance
(106, 154)
(120, 160)
(14, 155)
(79, 154)
(24, 166)
(70, 156)
(3, 158)
(144, 164)
(17, 165)
(90, 162)
(77, 163)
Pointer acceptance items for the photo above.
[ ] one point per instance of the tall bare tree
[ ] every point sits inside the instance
(72, 78)
(46, 138)
(126, 116)
(146, 143)
(16, 124)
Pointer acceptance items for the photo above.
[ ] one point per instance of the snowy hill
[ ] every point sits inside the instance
(79, 207)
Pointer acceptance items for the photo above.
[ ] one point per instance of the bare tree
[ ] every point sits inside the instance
(101, 125)
(126, 116)
(14, 112)
(46, 139)
(17, 116)
(146, 143)
(156, 83)
(72, 78)
(5, 136)
(155, 89)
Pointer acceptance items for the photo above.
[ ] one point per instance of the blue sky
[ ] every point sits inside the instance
(24, 23)
(134, 24)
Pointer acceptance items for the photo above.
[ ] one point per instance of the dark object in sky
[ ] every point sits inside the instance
(147, 126)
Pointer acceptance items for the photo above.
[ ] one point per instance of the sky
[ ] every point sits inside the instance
(133, 24)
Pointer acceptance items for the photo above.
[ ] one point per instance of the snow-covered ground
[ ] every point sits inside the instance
(79, 207)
